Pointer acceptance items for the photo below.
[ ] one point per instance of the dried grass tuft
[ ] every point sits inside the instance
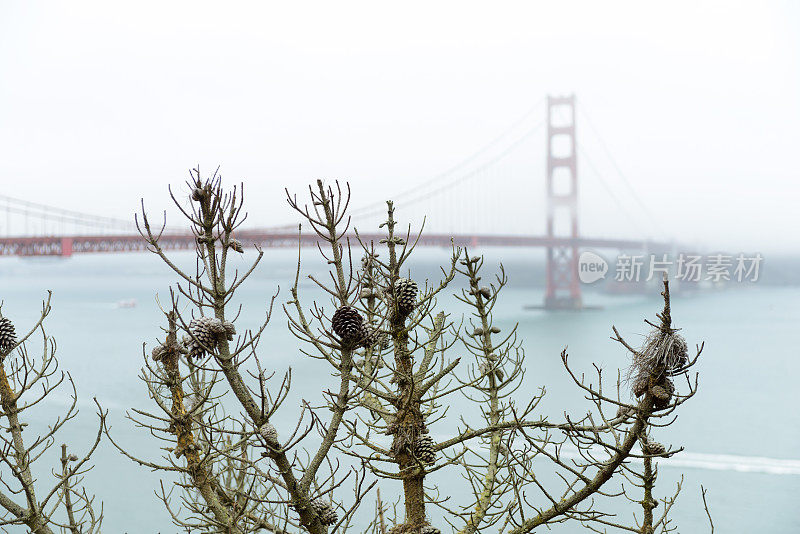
(663, 354)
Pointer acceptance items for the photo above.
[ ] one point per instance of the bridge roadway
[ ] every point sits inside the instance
(67, 246)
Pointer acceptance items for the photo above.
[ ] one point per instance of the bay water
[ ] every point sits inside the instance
(741, 432)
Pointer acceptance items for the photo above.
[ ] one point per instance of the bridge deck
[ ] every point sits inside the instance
(69, 245)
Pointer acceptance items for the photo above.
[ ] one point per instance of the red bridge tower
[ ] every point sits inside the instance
(563, 290)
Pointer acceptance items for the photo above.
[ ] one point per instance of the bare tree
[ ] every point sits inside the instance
(388, 346)
(220, 435)
(663, 357)
(501, 457)
(26, 381)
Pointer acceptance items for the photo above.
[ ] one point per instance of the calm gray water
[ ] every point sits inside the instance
(741, 432)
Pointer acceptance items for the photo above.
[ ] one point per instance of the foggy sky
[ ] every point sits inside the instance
(102, 103)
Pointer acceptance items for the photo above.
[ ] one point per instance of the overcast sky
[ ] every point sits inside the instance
(102, 103)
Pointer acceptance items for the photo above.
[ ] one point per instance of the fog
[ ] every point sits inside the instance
(102, 103)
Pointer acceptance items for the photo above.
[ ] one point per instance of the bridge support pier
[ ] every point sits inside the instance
(66, 247)
(563, 291)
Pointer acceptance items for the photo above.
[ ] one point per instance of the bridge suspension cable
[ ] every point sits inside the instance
(416, 193)
(590, 163)
(619, 172)
(44, 212)
(437, 187)
(585, 157)
(472, 196)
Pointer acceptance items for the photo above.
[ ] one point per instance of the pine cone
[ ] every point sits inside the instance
(402, 528)
(269, 433)
(217, 326)
(230, 330)
(662, 393)
(430, 529)
(327, 515)
(206, 332)
(423, 449)
(158, 352)
(236, 245)
(8, 337)
(165, 349)
(367, 293)
(653, 448)
(370, 336)
(640, 386)
(486, 369)
(347, 323)
(405, 291)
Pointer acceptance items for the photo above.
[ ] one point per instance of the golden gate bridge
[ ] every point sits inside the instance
(43, 230)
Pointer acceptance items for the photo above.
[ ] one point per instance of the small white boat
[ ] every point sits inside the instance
(127, 303)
